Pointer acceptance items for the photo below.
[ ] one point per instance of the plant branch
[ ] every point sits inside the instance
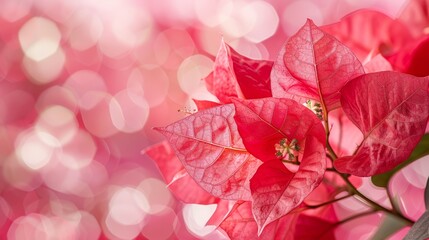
(374, 205)
(394, 206)
(329, 202)
(352, 189)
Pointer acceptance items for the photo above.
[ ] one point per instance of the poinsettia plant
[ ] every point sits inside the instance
(282, 137)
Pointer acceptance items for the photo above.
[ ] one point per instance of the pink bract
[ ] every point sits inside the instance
(313, 65)
(210, 148)
(391, 109)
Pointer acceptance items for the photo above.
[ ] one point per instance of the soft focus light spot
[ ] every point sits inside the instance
(61, 207)
(46, 70)
(172, 46)
(96, 114)
(135, 82)
(83, 82)
(56, 95)
(5, 211)
(160, 226)
(39, 38)
(129, 112)
(192, 71)
(128, 206)
(417, 172)
(116, 230)
(213, 13)
(266, 21)
(155, 84)
(296, 14)
(12, 10)
(210, 40)
(33, 226)
(241, 21)
(95, 176)
(59, 122)
(19, 175)
(88, 227)
(85, 29)
(35, 149)
(126, 27)
(79, 152)
(196, 217)
(249, 49)
(66, 180)
(157, 194)
(131, 26)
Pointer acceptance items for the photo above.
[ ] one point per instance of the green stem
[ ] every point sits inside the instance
(374, 205)
(353, 190)
(394, 206)
(329, 202)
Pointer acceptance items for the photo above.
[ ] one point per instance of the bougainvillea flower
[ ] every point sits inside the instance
(269, 153)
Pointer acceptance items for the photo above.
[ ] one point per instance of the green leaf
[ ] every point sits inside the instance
(421, 150)
(389, 226)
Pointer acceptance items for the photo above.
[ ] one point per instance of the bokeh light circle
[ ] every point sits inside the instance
(192, 71)
(39, 38)
(293, 17)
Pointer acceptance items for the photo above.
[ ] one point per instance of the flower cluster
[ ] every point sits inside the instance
(266, 145)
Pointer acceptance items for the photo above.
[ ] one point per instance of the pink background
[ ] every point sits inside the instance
(82, 84)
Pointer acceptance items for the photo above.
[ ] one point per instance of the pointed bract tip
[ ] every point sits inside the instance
(310, 23)
(260, 230)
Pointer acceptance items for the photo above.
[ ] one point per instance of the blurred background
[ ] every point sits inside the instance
(82, 84)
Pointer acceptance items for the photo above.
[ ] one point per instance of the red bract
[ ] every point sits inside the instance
(310, 227)
(239, 224)
(416, 16)
(391, 109)
(368, 31)
(253, 76)
(413, 58)
(204, 104)
(276, 190)
(184, 188)
(263, 123)
(235, 75)
(211, 150)
(313, 65)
